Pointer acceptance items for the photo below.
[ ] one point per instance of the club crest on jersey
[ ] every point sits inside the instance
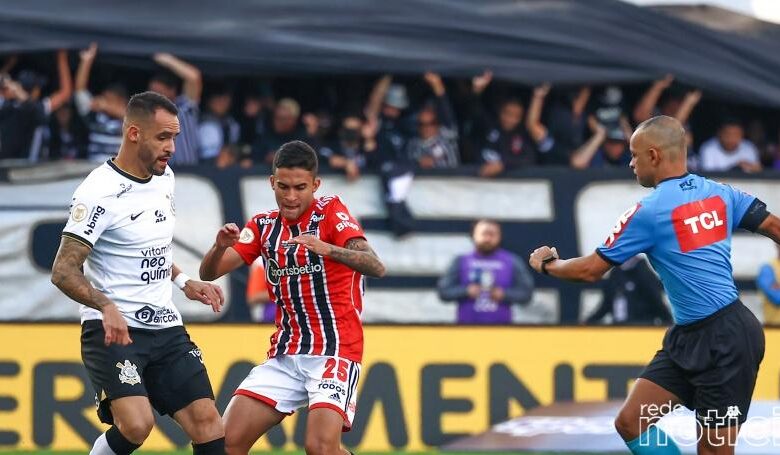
(247, 236)
(173, 204)
(128, 373)
(620, 226)
(79, 212)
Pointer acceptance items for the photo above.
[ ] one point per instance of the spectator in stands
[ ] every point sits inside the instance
(102, 114)
(557, 143)
(436, 143)
(768, 284)
(673, 105)
(657, 100)
(166, 83)
(505, 143)
(24, 110)
(486, 282)
(632, 294)
(605, 148)
(258, 103)
(349, 153)
(219, 132)
(385, 120)
(261, 309)
(68, 140)
(285, 127)
(773, 152)
(729, 150)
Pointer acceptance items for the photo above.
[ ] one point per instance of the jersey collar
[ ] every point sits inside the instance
(674, 178)
(127, 175)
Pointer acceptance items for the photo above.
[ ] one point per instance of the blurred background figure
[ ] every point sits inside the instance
(768, 283)
(487, 281)
(632, 294)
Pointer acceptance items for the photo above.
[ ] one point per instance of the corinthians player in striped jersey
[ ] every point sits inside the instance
(116, 259)
(315, 257)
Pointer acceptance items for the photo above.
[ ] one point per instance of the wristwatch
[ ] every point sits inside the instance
(546, 261)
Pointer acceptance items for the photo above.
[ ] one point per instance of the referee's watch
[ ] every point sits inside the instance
(546, 261)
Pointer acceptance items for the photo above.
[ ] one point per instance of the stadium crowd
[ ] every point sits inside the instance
(385, 125)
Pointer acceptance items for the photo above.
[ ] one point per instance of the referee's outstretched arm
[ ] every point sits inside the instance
(770, 228)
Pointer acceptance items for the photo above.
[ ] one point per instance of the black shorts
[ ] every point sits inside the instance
(712, 364)
(163, 365)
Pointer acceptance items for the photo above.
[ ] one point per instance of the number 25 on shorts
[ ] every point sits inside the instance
(341, 372)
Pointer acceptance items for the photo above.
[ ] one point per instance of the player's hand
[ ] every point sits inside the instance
(312, 244)
(207, 293)
(115, 326)
(539, 255)
(665, 82)
(435, 82)
(228, 235)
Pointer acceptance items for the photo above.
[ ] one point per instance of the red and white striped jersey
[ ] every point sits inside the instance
(318, 299)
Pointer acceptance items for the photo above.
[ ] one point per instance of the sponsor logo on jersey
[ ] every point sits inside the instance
(159, 216)
(149, 315)
(197, 354)
(700, 223)
(687, 185)
(265, 221)
(96, 213)
(620, 226)
(274, 273)
(332, 385)
(346, 222)
(78, 213)
(317, 217)
(123, 189)
(247, 236)
(335, 397)
(136, 215)
(128, 373)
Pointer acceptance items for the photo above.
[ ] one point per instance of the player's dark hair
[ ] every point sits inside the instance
(296, 154)
(145, 104)
(486, 221)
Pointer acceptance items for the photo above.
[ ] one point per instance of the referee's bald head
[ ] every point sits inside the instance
(663, 133)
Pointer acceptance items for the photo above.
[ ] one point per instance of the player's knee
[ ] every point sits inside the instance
(319, 445)
(627, 425)
(136, 430)
(207, 425)
(235, 441)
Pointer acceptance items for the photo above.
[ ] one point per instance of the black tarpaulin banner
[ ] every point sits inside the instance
(526, 41)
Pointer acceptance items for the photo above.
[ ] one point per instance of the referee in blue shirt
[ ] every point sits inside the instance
(710, 357)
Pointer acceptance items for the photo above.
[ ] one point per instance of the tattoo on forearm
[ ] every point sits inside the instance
(68, 275)
(359, 256)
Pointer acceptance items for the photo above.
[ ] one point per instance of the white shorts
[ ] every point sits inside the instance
(289, 382)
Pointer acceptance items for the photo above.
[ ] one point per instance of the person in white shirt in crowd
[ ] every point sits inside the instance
(729, 150)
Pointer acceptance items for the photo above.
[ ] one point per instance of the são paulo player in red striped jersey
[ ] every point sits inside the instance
(315, 256)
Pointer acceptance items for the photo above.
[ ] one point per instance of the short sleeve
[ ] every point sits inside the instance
(340, 225)
(248, 245)
(748, 211)
(632, 234)
(89, 217)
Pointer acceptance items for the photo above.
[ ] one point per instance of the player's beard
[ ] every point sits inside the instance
(152, 163)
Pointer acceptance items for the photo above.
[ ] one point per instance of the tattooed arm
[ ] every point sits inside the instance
(68, 275)
(356, 254)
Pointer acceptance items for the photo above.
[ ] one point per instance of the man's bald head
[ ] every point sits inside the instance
(663, 133)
